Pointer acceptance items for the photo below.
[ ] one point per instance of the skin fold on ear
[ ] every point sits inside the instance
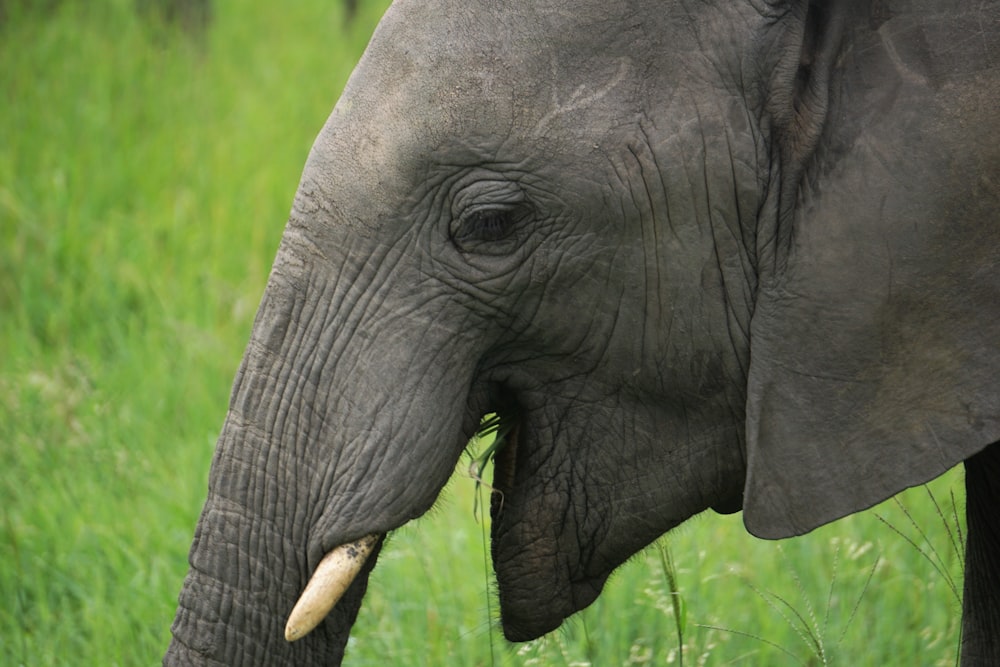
(875, 363)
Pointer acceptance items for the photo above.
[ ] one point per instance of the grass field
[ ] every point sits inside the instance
(145, 177)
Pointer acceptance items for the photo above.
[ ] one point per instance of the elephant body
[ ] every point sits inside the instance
(731, 255)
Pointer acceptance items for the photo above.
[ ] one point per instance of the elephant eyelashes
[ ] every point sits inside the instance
(492, 230)
(488, 225)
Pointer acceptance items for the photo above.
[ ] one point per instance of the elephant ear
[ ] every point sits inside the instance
(875, 341)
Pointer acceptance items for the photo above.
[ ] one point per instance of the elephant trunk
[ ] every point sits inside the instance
(339, 428)
(247, 567)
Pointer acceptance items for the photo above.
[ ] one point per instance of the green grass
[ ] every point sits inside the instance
(145, 178)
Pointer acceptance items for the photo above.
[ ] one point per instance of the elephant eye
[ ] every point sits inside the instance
(487, 225)
(493, 229)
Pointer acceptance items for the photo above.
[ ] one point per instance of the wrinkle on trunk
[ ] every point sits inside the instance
(339, 426)
(246, 573)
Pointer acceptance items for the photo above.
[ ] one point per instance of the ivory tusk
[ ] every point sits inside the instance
(331, 579)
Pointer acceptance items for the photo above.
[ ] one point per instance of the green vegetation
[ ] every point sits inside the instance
(145, 176)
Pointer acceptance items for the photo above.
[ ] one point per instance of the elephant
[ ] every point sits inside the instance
(730, 255)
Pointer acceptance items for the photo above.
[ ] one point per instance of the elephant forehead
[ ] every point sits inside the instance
(472, 80)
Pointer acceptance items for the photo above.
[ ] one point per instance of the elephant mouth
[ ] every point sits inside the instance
(540, 577)
(540, 565)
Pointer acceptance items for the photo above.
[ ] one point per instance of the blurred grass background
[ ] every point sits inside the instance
(146, 171)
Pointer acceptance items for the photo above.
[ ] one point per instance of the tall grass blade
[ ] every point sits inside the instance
(960, 548)
(954, 536)
(813, 629)
(857, 603)
(676, 601)
(829, 594)
(801, 628)
(493, 430)
(758, 638)
(930, 545)
(487, 594)
(935, 561)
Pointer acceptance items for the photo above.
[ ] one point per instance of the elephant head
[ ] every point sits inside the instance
(699, 255)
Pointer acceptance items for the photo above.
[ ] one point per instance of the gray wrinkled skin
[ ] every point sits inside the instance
(707, 254)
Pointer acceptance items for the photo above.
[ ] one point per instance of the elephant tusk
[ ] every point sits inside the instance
(331, 579)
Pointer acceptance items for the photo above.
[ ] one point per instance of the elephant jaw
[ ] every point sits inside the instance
(332, 578)
(536, 587)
